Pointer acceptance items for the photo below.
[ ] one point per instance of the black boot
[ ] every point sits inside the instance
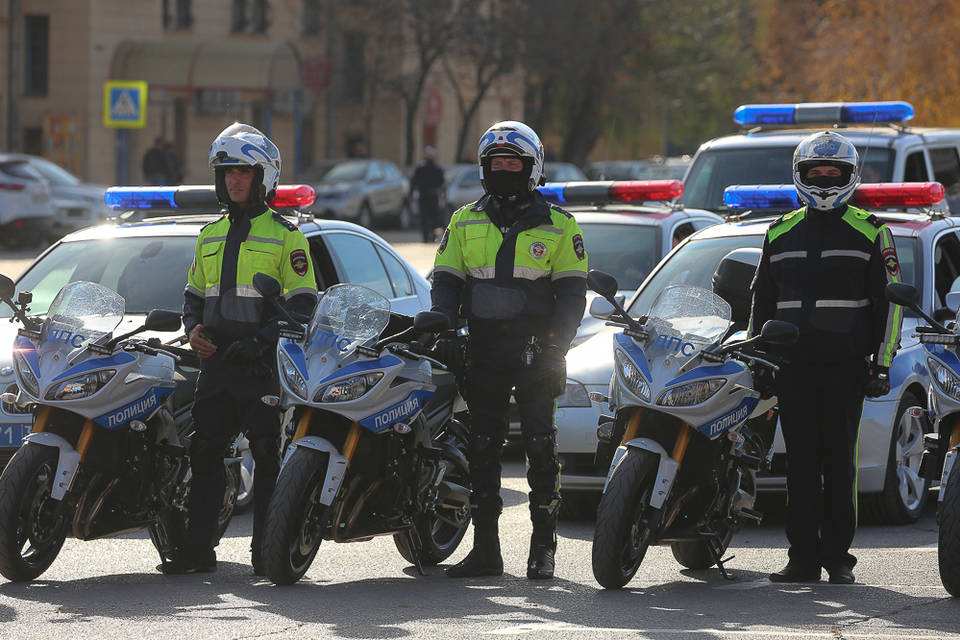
(256, 559)
(484, 559)
(190, 561)
(543, 542)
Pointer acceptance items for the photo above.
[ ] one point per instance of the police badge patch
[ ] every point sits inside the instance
(443, 241)
(578, 247)
(889, 256)
(538, 250)
(298, 260)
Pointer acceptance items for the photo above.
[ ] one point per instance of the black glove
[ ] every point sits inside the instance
(450, 350)
(878, 381)
(551, 363)
(763, 380)
(244, 350)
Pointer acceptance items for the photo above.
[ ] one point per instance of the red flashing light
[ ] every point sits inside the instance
(644, 190)
(898, 194)
(12, 186)
(292, 196)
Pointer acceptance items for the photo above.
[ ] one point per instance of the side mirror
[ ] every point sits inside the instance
(905, 295)
(162, 320)
(953, 301)
(266, 286)
(603, 283)
(430, 322)
(601, 309)
(779, 332)
(731, 281)
(7, 287)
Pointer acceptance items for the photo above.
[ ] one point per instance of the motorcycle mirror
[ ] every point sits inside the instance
(731, 281)
(7, 287)
(779, 332)
(430, 322)
(266, 286)
(601, 309)
(903, 294)
(603, 283)
(162, 320)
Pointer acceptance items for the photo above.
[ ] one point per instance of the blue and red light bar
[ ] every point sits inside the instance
(824, 113)
(880, 195)
(197, 197)
(611, 191)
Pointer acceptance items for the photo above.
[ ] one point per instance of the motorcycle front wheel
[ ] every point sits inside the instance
(622, 532)
(32, 524)
(948, 538)
(295, 519)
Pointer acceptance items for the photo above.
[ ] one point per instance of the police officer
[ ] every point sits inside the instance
(515, 268)
(824, 268)
(427, 182)
(234, 331)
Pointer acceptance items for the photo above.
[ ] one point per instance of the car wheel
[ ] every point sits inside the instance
(365, 217)
(905, 491)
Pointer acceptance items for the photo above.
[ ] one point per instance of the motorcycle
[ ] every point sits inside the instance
(942, 444)
(108, 450)
(377, 448)
(692, 431)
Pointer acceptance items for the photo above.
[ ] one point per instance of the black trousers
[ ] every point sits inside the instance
(228, 402)
(820, 407)
(429, 206)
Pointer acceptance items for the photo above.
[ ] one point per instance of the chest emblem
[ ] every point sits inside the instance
(298, 260)
(890, 261)
(538, 250)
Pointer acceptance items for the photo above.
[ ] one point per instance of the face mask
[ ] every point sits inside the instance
(507, 184)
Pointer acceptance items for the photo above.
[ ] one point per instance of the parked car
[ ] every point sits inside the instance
(146, 260)
(26, 203)
(562, 172)
(655, 168)
(928, 247)
(462, 185)
(78, 204)
(368, 192)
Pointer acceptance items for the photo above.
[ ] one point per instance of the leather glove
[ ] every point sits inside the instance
(878, 381)
(552, 365)
(450, 350)
(763, 380)
(244, 350)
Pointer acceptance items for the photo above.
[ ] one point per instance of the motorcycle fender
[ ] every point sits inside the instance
(948, 461)
(336, 465)
(666, 471)
(67, 462)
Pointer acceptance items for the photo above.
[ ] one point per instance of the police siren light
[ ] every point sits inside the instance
(611, 191)
(824, 112)
(197, 197)
(880, 195)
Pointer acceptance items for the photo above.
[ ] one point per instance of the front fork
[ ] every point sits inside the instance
(69, 458)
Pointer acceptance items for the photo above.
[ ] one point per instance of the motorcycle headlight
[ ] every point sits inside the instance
(687, 395)
(30, 383)
(81, 386)
(292, 376)
(945, 379)
(632, 376)
(349, 389)
(574, 395)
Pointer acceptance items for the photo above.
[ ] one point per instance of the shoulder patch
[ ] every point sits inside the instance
(286, 223)
(875, 221)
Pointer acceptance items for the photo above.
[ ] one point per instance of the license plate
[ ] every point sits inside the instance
(11, 435)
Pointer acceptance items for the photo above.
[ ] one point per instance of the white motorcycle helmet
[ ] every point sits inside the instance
(513, 139)
(241, 144)
(825, 149)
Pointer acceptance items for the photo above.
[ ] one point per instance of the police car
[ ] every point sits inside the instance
(890, 151)
(928, 246)
(145, 254)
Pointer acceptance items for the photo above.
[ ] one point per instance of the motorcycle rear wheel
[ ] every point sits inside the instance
(295, 519)
(31, 536)
(622, 533)
(948, 538)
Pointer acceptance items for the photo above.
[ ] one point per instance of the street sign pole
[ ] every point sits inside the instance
(123, 156)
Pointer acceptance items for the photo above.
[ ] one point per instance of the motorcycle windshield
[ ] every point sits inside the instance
(346, 316)
(82, 312)
(686, 318)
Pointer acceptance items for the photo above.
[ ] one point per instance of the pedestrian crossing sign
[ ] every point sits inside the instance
(125, 104)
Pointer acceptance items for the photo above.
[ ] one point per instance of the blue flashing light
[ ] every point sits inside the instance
(869, 112)
(824, 113)
(141, 197)
(761, 196)
(764, 114)
(553, 192)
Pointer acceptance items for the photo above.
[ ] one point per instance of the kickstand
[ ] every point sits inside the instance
(719, 562)
(414, 541)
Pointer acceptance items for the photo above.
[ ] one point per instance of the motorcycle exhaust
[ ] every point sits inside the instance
(452, 495)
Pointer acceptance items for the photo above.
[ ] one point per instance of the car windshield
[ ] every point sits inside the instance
(346, 172)
(717, 169)
(696, 261)
(54, 173)
(149, 273)
(628, 252)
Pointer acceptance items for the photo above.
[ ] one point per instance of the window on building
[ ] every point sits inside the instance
(353, 67)
(36, 44)
(177, 14)
(310, 17)
(260, 16)
(32, 141)
(238, 16)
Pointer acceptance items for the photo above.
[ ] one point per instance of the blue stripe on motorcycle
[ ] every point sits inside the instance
(115, 360)
(365, 365)
(404, 410)
(635, 352)
(139, 408)
(727, 421)
(293, 350)
(707, 371)
(904, 365)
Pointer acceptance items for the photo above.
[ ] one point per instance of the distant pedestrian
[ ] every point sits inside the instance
(174, 168)
(427, 184)
(155, 163)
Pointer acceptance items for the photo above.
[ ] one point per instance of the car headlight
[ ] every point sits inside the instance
(574, 395)
(687, 395)
(945, 379)
(632, 376)
(349, 389)
(292, 376)
(81, 386)
(30, 383)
